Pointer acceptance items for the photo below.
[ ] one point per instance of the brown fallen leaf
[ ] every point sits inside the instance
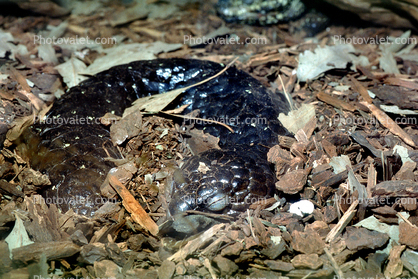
(200, 141)
(132, 206)
(388, 123)
(126, 128)
(37, 103)
(19, 125)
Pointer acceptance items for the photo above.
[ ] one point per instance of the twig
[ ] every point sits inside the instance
(406, 220)
(288, 98)
(307, 275)
(259, 266)
(206, 263)
(334, 264)
(251, 225)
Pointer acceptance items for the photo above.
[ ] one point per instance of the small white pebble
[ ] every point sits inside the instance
(301, 208)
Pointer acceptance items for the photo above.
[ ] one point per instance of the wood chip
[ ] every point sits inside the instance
(195, 244)
(348, 215)
(371, 179)
(214, 246)
(362, 90)
(402, 83)
(132, 206)
(52, 250)
(394, 267)
(387, 122)
(333, 101)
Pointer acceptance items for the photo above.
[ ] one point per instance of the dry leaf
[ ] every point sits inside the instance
(126, 128)
(20, 125)
(156, 103)
(297, 119)
(312, 64)
(70, 71)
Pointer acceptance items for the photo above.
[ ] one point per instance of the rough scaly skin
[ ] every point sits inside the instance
(262, 12)
(72, 153)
